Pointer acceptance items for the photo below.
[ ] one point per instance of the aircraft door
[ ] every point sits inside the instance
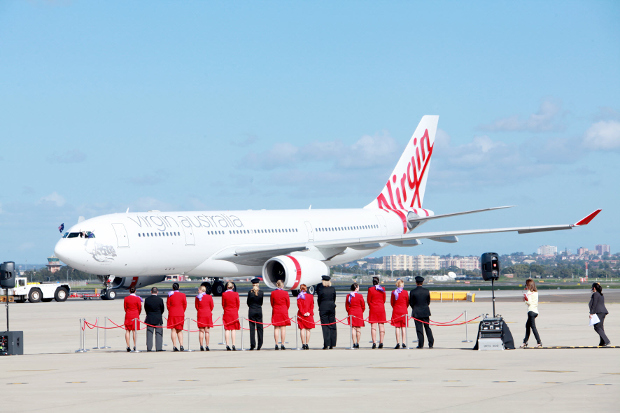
(310, 231)
(382, 225)
(121, 235)
(189, 235)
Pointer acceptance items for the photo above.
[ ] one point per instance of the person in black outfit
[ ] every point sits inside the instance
(597, 306)
(255, 313)
(154, 309)
(419, 299)
(327, 310)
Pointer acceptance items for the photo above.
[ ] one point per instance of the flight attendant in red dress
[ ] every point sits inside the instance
(400, 302)
(355, 307)
(133, 308)
(376, 311)
(204, 306)
(231, 303)
(280, 304)
(305, 315)
(176, 304)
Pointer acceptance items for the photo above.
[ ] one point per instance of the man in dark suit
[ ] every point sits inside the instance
(419, 299)
(154, 308)
(326, 299)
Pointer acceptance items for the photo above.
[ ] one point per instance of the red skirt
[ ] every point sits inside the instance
(279, 320)
(399, 320)
(356, 319)
(176, 322)
(377, 316)
(306, 323)
(231, 321)
(131, 323)
(205, 321)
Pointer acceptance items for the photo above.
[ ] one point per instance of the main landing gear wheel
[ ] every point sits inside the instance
(207, 287)
(311, 289)
(108, 295)
(218, 288)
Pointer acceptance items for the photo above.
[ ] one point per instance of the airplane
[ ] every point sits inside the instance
(451, 276)
(296, 246)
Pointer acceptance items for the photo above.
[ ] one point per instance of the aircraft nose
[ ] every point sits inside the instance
(62, 251)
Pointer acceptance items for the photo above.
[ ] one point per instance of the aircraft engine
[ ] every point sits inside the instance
(293, 271)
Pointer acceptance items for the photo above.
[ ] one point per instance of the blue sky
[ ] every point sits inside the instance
(245, 105)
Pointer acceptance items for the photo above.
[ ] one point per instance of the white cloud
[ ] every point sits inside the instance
(72, 156)
(368, 151)
(53, 198)
(603, 135)
(545, 120)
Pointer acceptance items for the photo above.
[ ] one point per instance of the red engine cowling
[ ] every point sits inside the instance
(293, 271)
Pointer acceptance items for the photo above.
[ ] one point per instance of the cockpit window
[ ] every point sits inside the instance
(83, 234)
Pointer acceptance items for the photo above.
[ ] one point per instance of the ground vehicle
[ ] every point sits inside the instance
(36, 292)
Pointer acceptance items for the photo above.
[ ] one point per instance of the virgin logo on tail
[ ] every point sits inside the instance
(404, 190)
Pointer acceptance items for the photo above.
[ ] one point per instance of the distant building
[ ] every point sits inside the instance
(602, 249)
(375, 266)
(53, 264)
(548, 250)
(582, 251)
(464, 263)
(410, 262)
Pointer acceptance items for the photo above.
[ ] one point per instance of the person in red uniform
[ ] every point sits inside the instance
(376, 311)
(400, 302)
(305, 315)
(231, 304)
(280, 304)
(133, 308)
(355, 306)
(176, 304)
(204, 307)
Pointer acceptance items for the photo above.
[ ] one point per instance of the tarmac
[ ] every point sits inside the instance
(50, 376)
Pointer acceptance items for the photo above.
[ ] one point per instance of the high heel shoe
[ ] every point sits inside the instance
(374, 345)
(397, 346)
(228, 348)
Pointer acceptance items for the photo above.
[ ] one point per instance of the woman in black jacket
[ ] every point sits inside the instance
(255, 314)
(597, 306)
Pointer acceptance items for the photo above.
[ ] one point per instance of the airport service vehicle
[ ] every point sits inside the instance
(36, 292)
(294, 246)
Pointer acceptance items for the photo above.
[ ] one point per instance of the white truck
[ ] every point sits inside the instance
(36, 292)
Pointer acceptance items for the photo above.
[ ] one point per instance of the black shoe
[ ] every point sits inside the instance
(148, 351)
(325, 347)
(128, 350)
(182, 349)
(282, 347)
(331, 347)
(227, 348)
(374, 346)
(251, 348)
(234, 349)
(397, 346)
(207, 348)
(160, 350)
(419, 347)
(175, 349)
(277, 348)
(202, 348)
(430, 346)
(404, 345)
(380, 345)
(257, 348)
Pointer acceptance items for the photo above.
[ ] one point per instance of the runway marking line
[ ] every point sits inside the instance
(552, 371)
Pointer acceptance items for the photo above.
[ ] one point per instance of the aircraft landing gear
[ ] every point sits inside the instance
(108, 294)
(218, 287)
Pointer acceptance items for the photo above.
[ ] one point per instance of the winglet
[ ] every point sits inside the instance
(586, 220)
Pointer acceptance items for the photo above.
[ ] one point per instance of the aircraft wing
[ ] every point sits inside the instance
(259, 254)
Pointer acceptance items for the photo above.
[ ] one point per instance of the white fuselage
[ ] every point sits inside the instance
(162, 243)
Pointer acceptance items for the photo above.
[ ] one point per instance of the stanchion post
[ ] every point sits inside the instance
(467, 340)
(79, 350)
(222, 342)
(350, 333)
(97, 324)
(407, 331)
(189, 327)
(296, 333)
(242, 323)
(105, 333)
